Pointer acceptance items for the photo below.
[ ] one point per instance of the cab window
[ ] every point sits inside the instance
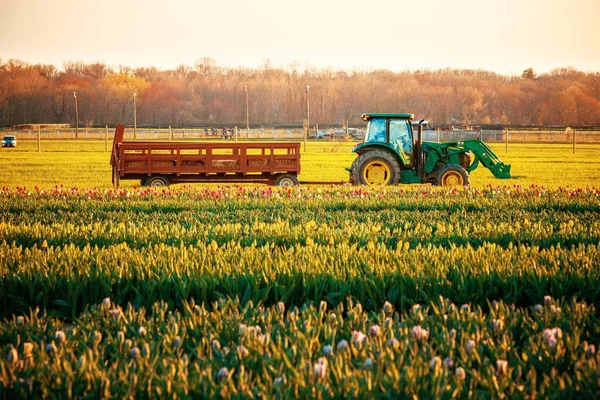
(376, 131)
(401, 137)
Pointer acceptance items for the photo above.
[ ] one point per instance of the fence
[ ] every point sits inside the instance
(507, 135)
(158, 133)
(517, 135)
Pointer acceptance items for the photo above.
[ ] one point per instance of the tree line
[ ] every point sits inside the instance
(208, 94)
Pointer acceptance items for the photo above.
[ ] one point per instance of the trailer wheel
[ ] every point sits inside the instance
(376, 168)
(452, 175)
(286, 180)
(157, 181)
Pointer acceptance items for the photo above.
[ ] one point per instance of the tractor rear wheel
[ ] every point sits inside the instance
(452, 175)
(376, 168)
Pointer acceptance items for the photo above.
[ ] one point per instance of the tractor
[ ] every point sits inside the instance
(391, 154)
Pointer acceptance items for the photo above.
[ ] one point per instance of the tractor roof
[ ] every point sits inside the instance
(369, 116)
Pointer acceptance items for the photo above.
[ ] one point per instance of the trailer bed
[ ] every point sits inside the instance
(162, 163)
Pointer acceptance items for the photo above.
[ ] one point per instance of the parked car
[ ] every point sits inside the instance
(322, 134)
(9, 141)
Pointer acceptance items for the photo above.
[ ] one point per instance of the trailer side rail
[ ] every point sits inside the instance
(183, 161)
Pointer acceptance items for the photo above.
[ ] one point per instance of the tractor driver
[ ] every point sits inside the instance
(400, 138)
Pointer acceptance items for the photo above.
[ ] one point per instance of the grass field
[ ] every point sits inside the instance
(84, 163)
(246, 291)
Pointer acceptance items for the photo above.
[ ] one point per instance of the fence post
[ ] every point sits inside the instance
(235, 130)
(574, 141)
(438, 134)
(105, 138)
(506, 135)
(39, 139)
(170, 133)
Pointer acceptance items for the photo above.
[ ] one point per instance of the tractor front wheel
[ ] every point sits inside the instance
(452, 175)
(376, 168)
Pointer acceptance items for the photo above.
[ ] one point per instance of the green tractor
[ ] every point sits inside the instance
(392, 154)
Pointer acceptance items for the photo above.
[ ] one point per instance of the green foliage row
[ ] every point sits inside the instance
(250, 216)
(68, 279)
(436, 349)
(64, 249)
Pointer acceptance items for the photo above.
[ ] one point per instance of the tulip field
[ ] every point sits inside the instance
(252, 291)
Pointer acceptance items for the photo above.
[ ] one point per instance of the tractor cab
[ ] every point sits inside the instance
(393, 132)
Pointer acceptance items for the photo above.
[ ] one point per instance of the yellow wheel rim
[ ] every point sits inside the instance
(452, 178)
(376, 173)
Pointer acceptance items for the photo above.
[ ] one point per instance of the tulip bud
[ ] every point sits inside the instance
(60, 337)
(222, 374)
(470, 346)
(27, 349)
(323, 306)
(13, 356)
(501, 367)
(374, 330)
(176, 341)
(388, 308)
(134, 352)
(280, 307)
(393, 343)
(50, 348)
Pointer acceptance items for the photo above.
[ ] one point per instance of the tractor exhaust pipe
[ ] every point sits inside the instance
(419, 149)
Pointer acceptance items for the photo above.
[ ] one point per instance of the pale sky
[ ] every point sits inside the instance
(504, 36)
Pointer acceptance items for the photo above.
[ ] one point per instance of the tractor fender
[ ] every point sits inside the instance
(364, 147)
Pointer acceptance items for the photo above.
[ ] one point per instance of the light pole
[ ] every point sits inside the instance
(307, 116)
(247, 112)
(76, 117)
(134, 116)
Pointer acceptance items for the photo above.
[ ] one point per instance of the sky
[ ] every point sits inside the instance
(503, 36)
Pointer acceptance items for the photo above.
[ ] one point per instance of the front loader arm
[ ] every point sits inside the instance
(488, 158)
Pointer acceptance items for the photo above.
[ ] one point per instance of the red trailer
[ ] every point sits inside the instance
(163, 163)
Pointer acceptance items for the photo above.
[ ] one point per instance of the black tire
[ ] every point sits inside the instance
(353, 173)
(157, 181)
(375, 168)
(452, 175)
(284, 180)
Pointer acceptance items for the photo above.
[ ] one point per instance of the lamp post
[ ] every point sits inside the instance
(307, 115)
(134, 116)
(247, 112)
(76, 117)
